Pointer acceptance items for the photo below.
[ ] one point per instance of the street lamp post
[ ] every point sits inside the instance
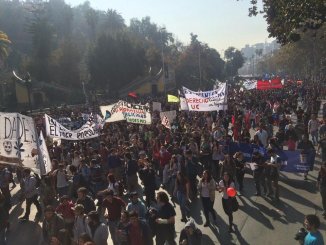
(163, 65)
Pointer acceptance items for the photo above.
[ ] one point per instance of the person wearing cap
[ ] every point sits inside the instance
(31, 194)
(52, 224)
(65, 209)
(136, 205)
(190, 234)
(113, 205)
(80, 222)
(97, 230)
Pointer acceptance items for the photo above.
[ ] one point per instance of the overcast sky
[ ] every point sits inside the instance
(220, 23)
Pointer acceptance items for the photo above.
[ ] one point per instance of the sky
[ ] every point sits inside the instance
(219, 23)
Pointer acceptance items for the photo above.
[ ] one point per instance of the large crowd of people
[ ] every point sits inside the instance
(119, 186)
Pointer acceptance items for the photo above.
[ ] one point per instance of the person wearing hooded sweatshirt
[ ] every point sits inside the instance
(96, 230)
(190, 235)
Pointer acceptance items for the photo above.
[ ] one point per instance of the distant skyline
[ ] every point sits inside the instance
(219, 23)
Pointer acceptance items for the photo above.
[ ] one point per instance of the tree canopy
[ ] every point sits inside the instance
(287, 20)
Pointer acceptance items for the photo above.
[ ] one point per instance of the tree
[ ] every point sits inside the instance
(116, 61)
(4, 42)
(287, 20)
(234, 61)
(198, 66)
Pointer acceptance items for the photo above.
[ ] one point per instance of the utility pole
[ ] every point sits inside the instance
(163, 65)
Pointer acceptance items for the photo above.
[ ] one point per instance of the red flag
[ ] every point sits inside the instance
(270, 84)
(133, 95)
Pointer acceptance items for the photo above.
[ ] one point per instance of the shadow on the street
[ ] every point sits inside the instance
(255, 213)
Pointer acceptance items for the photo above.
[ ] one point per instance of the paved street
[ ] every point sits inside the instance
(258, 221)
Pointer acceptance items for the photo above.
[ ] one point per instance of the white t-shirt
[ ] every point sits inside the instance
(224, 193)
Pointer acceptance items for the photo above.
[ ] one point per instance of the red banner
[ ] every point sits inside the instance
(269, 84)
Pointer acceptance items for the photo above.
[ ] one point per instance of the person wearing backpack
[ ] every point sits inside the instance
(31, 194)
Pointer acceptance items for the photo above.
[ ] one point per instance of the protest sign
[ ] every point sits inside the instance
(206, 100)
(18, 141)
(55, 130)
(250, 84)
(183, 104)
(167, 117)
(132, 113)
(157, 106)
(173, 99)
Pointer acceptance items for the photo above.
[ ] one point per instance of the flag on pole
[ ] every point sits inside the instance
(173, 99)
(44, 158)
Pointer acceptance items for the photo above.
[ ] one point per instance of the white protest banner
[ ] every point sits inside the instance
(183, 104)
(132, 113)
(206, 100)
(44, 158)
(250, 84)
(167, 117)
(18, 141)
(55, 130)
(157, 106)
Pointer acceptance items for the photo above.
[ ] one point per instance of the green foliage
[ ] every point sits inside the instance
(287, 20)
(234, 61)
(4, 42)
(302, 59)
(199, 66)
(115, 61)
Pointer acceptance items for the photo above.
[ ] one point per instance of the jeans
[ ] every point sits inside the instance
(113, 225)
(182, 202)
(259, 179)
(208, 208)
(273, 187)
(314, 137)
(29, 202)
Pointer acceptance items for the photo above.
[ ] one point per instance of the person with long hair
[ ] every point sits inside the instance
(321, 184)
(206, 188)
(165, 220)
(224, 184)
(181, 191)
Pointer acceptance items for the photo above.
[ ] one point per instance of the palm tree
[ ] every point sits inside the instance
(4, 41)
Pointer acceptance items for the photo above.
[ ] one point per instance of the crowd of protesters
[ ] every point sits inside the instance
(120, 186)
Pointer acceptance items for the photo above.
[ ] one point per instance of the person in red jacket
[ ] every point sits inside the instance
(66, 210)
(114, 205)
